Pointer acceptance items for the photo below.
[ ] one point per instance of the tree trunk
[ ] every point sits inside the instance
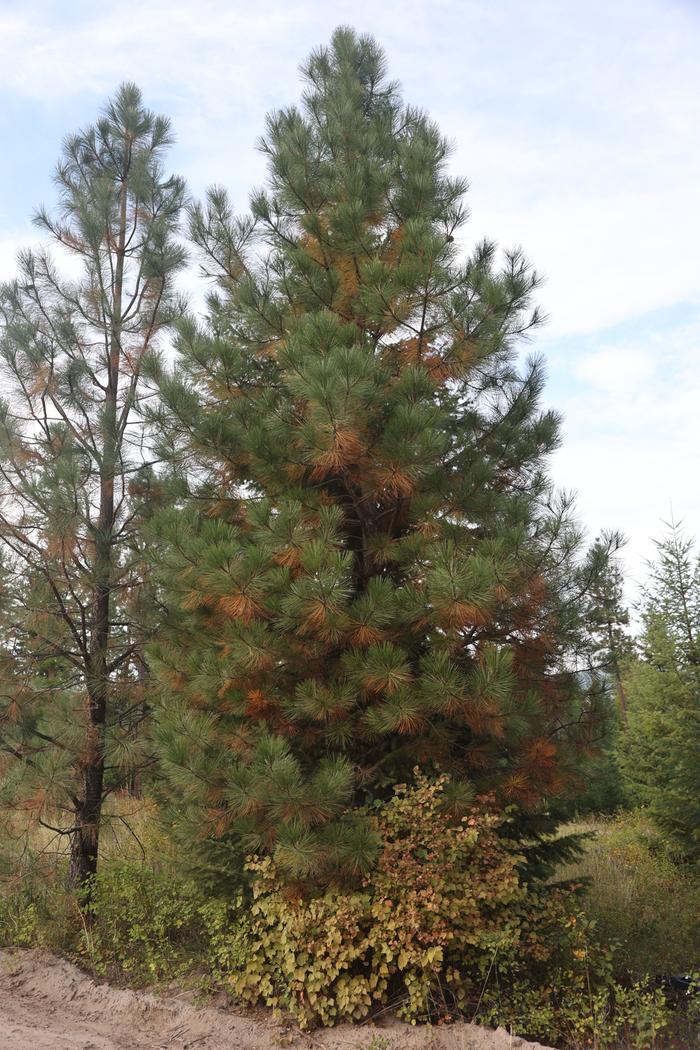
(88, 810)
(84, 840)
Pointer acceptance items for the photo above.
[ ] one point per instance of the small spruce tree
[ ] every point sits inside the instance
(611, 649)
(368, 569)
(660, 753)
(608, 619)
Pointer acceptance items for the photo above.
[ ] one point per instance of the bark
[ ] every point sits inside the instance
(85, 835)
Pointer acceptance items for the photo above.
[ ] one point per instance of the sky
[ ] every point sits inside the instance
(577, 125)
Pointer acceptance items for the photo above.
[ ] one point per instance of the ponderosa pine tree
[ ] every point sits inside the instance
(74, 483)
(368, 569)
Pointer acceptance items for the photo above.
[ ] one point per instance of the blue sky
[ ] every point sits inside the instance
(578, 126)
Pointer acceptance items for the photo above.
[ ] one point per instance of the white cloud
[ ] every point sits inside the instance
(632, 433)
(576, 125)
(616, 370)
(609, 258)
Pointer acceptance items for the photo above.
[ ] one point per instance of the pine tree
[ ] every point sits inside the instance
(611, 649)
(74, 480)
(608, 619)
(660, 755)
(368, 569)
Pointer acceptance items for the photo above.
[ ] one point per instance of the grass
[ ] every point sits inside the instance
(130, 831)
(640, 896)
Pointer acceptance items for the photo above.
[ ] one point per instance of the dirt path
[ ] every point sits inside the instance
(48, 1004)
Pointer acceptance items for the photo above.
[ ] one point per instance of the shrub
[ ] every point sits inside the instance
(133, 924)
(444, 925)
(144, 926)
(570, 997)
(38, 915)
(442, 892)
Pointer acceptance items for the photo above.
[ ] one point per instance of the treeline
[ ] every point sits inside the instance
(658, 744)
(269, 564)
(648, 654)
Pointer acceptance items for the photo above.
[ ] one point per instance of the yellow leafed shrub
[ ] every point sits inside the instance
(440, 901)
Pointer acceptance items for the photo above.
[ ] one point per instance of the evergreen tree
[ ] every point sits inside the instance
(74, 480)
(369, 569)
(608, 619)
(611, 649)
(661, 750)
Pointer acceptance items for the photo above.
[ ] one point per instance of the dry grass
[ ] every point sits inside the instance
(130, 831)
(640, 896)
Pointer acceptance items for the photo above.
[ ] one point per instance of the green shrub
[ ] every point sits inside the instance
(134, 925)
(39, 915)
(574, 999)
(18, 919)
(144, 926)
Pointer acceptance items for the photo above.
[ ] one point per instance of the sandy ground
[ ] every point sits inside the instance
(48, 1004)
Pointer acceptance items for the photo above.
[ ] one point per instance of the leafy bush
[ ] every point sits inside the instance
(36, 915)
(444, 925)
(18, 919)
(134, 924)
(145, 926)
(559, 986)
(442, 892)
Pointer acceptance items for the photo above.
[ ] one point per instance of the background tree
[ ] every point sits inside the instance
(370, 569)
(661, 750)
(74, 480)
(608, 619)
(610, 649)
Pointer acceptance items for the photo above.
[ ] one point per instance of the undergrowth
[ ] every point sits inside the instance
(640, 897)
(444, 928)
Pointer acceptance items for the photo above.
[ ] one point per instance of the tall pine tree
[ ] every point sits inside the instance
(368, 569)
(74, 482)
